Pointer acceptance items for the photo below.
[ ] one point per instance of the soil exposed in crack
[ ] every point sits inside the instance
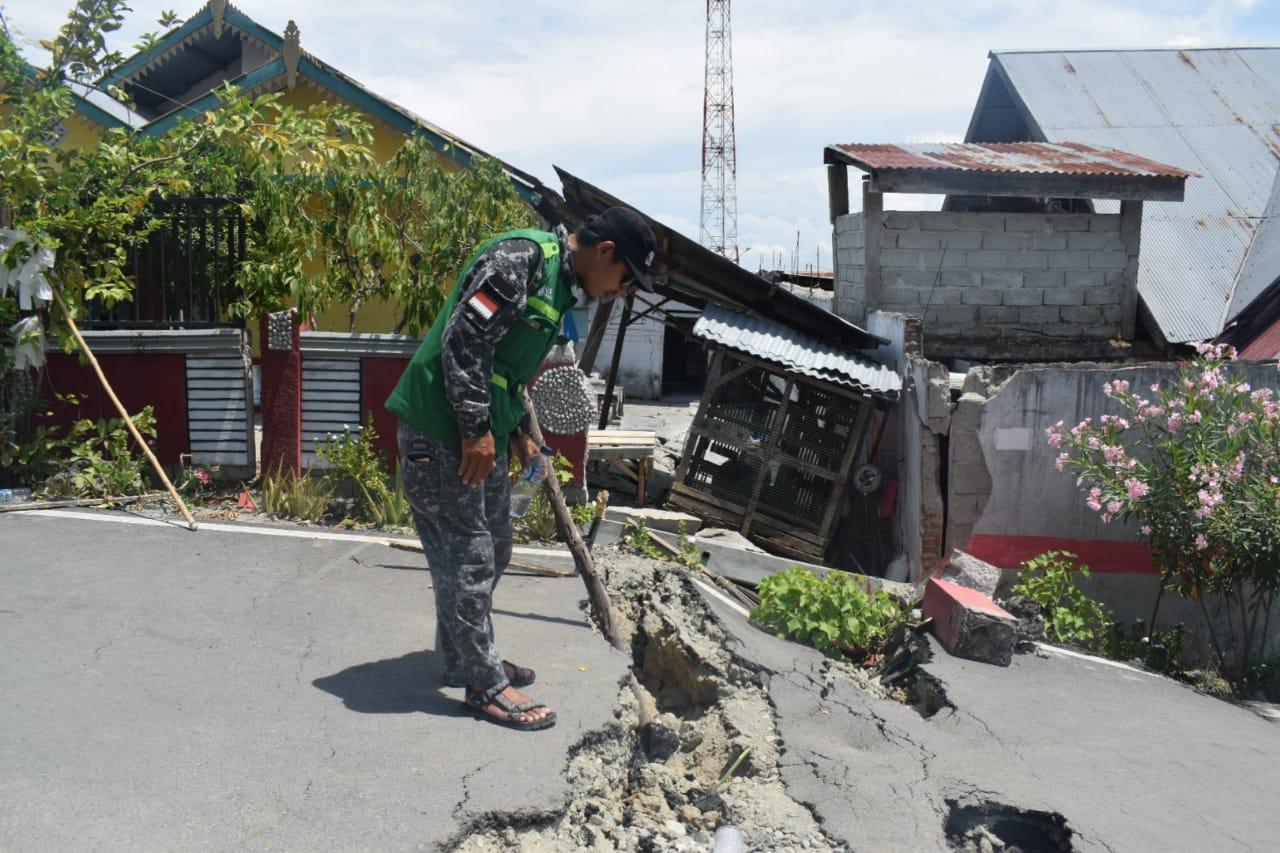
(709, 759)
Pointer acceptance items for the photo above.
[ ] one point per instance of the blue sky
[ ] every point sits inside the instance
(612, 91)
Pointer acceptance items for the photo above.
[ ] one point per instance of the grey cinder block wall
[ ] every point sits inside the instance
(983, 282)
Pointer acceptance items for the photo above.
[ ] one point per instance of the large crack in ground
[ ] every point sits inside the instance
(709, 759)
(713, 755)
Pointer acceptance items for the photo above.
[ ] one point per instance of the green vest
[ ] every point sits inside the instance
(419, 397)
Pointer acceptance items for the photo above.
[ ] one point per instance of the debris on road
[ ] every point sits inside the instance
(969, 624)
(709, 759)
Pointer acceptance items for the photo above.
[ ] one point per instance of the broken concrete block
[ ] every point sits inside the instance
(969, 624)
(729, 539)
(967, 570)
(665, 520)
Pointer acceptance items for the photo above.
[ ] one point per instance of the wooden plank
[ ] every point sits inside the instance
(221, 457)
(236, 394)
(228, 363)
(329, 395)
(837, 190)
(1026, 184)
(338, 364)
(219, 447)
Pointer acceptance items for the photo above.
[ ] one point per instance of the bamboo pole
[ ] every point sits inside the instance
(124, 414)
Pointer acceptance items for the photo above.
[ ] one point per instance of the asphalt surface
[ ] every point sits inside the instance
(173, 690)
(1132, 761)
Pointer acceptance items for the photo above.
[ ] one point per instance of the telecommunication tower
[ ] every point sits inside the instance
(719, 216)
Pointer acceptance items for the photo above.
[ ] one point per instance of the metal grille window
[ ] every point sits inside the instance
(185, 271)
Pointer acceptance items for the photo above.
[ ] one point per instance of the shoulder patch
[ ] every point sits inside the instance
(483, 305)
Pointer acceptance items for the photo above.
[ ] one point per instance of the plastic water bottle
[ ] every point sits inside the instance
(530, 481)
(729, 840)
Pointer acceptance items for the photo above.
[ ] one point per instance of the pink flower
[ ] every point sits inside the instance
(1145, 530)
(1114, 506)
(1055, 438)
(1062, 460)
(1137, 488)
(1195, 417)
(1202, 543)
(1175, 422)
(203, 476)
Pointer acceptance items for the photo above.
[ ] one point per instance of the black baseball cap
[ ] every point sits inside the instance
(632, 238)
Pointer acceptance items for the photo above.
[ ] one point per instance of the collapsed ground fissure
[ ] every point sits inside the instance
(710, 758)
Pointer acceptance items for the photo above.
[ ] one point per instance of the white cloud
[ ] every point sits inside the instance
(1184, 41)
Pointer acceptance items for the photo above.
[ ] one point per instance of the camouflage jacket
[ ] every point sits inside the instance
(508, 270)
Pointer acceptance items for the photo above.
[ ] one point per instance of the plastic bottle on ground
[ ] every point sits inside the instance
(729, 840)
(530, 481)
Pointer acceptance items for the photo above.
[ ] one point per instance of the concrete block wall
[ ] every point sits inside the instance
(999, 276)
(850, 242)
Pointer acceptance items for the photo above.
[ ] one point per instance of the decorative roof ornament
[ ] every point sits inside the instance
(218, 8)
(292, 53)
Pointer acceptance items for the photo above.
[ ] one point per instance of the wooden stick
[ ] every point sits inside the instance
(568, 531)
(514, 566)
(60, 504)
(596, 592)
(124, 414)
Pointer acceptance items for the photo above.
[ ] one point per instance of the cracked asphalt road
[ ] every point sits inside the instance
(173, 690)
(1132, 761)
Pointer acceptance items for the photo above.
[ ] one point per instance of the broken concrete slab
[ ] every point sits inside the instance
(967, 570)
(969, 624)
(1122, 759)
(666, 520)
(729, 539)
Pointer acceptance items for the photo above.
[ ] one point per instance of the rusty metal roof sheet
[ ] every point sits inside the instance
(1215, 112)
(784, 346)
(1031, 158)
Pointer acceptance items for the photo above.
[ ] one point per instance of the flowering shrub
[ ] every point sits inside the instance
(1197, 464)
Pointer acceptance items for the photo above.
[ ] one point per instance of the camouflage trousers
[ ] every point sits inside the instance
(466, 534)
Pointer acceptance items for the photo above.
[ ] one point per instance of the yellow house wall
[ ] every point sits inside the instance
(377, 315)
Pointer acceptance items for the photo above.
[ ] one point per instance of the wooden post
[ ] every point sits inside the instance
(612, 381)
(837, 191)
(595, 336)
(1131, 237)
(596, 592)
(124, 414)
(872, 234)
(568, 531)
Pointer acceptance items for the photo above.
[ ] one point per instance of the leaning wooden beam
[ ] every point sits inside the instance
(612, 381)
(124, 414)
(70, 502)
(595, 336)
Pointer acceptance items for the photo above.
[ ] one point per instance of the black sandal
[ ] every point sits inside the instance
(478, 700)
(519, 676)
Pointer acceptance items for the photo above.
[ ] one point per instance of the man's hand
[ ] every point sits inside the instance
(525, 448)
(477, 459)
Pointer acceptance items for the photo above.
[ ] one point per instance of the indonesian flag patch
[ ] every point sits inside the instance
(483, 305)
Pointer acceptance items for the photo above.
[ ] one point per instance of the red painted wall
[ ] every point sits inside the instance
(1103, 556)
(158, 380)
(378, 378)
(281, 372)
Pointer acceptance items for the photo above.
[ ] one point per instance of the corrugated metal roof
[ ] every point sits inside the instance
(1212, 112)
(775, 342)
(1033, 158)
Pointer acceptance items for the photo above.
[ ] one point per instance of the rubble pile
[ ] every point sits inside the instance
(710, 757)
